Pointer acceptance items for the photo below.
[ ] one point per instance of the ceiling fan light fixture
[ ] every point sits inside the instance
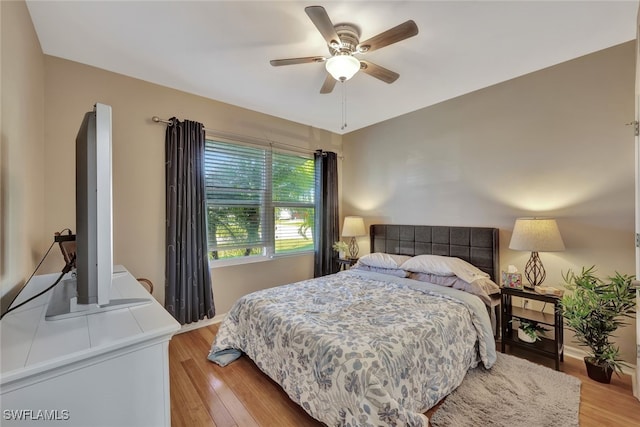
(342, 67)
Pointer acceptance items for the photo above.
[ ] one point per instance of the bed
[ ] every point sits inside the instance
(364, 347)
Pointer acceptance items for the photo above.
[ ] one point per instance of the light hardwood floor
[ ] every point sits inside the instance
(204, 394)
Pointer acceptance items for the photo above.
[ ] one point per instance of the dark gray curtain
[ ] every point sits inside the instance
(188, 292)
(327, 223)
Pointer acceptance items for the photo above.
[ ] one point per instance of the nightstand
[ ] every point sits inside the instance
(345, 263)
(548, 347)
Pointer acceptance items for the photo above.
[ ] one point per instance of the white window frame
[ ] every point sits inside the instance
(267, 208)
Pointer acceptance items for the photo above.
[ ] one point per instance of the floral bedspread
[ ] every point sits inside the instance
(360, 348)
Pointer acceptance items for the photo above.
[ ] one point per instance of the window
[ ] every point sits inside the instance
(259, 202)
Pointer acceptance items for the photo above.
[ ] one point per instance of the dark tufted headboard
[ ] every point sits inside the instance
(476, 245)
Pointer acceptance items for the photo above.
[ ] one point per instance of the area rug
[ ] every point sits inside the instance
(513, 393)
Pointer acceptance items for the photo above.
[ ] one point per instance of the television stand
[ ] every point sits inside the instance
(107, 369)
(64, 303)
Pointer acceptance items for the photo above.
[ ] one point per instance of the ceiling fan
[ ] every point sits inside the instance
(344, 42)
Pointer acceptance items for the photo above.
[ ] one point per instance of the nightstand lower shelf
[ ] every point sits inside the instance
(543, 347)
(546, 346)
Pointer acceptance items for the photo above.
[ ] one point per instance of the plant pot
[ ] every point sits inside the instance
(602, 374)
(523, 336)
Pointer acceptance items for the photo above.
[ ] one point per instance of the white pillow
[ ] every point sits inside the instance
(382, 260)
(390, 271)
(444, 266)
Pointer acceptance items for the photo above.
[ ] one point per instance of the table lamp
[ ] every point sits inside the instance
(536, 235)
(353, 226)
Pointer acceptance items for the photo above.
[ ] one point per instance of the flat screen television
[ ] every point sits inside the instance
(89, 290)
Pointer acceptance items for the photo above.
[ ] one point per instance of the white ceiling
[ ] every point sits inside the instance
(221, 49)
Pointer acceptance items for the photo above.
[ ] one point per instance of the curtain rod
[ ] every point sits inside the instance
(242, 138)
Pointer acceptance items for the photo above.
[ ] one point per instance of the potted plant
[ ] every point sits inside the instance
(340, 247)
(528, 330)
(594, 311)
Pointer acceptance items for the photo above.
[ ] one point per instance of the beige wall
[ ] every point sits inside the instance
(551, 143)
(23, 240)
(138, 167)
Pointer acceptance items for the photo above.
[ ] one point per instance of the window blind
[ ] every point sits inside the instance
(258, 202)
(293, 200)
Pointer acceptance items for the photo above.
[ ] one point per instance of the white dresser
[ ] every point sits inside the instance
(104, 369)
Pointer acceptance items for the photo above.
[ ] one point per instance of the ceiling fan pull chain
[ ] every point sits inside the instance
(343, 83)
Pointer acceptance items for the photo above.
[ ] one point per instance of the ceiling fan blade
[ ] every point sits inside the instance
(293, 61)
(322, 22)
(379, 72)
(328, 85)
(393, 35)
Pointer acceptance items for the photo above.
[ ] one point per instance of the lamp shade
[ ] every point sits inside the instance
(353, 226)
(536, 235)
(342, 67)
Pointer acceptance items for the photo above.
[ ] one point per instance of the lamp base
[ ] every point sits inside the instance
(353, 248)
(534, 270)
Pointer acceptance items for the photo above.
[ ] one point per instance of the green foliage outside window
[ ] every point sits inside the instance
(258, 202)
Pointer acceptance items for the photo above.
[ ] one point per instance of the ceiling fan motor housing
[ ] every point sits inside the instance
(349, 38)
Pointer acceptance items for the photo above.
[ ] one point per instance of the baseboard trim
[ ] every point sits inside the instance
(577, 353)
(201, 323)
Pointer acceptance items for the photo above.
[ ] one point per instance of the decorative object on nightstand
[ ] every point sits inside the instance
(511, 278)
(548, 346)
(340, 247)
(536, 235)
(549, 290)
(594, 310)
(353, 227)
